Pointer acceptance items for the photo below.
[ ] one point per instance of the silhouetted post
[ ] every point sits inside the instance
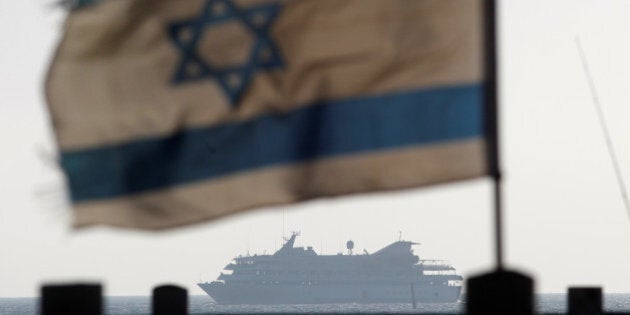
(170, 300)
(585, 301)
(499, 293)
(70, 299)
(413, 297)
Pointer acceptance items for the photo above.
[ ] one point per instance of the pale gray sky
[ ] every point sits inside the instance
(566, 224)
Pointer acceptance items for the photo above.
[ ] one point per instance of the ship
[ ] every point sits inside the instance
(298, 275)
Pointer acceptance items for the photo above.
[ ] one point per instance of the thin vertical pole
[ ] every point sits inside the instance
(602, 122)
(413, 297)
(498, 224)
(491, 123)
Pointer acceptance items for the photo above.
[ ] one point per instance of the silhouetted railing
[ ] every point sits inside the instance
(500, 293)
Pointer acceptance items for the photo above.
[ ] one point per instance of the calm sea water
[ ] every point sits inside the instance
(546, 303)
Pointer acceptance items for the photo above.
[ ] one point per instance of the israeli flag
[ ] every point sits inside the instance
(171, 112)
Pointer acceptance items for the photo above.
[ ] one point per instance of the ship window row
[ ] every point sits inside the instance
(245, 262)
(332, 273)
(313, 282)
(439, 272)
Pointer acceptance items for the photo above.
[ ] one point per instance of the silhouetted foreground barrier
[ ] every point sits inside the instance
(507, 292)
(169, 300)
(496, 293)
(500, 292)
(87, 299)
(585, 301)
(66, 299)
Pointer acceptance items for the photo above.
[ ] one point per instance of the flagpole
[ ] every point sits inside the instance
(491, 125)
(501, 291)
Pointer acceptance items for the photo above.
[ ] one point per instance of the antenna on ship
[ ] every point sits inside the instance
(399, 236)
(249, 232)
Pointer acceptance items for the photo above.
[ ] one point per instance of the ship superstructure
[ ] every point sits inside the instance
(297, 275)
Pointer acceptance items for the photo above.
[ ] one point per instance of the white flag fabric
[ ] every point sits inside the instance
(171, 112)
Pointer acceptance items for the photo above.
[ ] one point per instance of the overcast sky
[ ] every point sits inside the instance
(566, 224)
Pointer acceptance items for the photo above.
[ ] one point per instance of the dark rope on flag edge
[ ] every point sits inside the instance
(604, 126)
(491, 122)
(76, 4)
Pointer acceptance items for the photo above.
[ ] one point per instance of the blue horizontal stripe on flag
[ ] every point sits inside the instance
(325, 129)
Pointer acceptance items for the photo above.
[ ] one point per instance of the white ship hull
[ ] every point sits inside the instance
(295, 275)
(325, 294)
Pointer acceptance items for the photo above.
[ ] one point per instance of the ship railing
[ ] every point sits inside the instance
(434, 263)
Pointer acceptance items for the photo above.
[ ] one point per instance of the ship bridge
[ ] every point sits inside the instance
(399, 251)
(288, 249)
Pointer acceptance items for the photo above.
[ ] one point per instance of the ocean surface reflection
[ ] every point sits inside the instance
(199, 304)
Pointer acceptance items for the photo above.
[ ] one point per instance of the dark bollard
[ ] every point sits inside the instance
(71, 299)
(499, 293)
(585, 301)
(170, 300)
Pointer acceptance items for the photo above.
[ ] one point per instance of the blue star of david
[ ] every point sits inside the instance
(233, 79)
